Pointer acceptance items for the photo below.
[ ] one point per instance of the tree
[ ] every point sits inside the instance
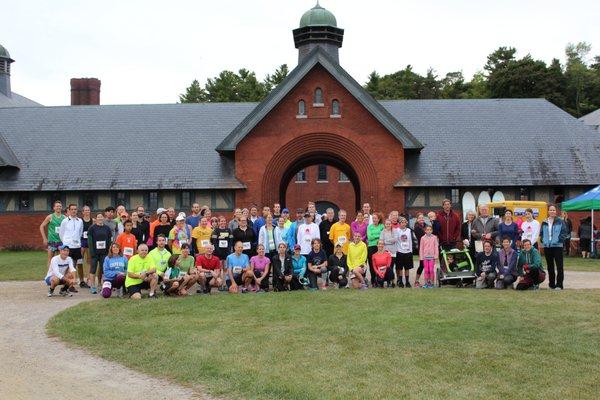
(577, 75)
(477, 88)
(453, 86)
(271, 81)
(193, 94)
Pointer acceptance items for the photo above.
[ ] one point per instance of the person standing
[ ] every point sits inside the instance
(292, 232)
(127, 241)
(373, 234)
(340, 232)
(404, 257)
(419, 230)
(485, 226)
(324, 230)
(569, 225)
(201, 236)
(429, 251)
(585, 233)
(267, 237)
(306, 233)
(449, 226)
(530, 228)
(194, 218)
(243, 233)
(390, 237)
(508, 228)
(49, 229)
(87, 221)
(70, 232)
(99, 237)
(553, 233)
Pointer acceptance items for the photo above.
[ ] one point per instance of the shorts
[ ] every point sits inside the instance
(53, 246)
(138, 288)
(47, 280)
(209, 276)
(96, 263)
(237, 279)
(75, 254)
(404, 261)
(84, 244)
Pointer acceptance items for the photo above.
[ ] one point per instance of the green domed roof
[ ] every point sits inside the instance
(4, 52)
(318, 16)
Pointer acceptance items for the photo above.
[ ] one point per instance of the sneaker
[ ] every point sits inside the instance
(535, 287)
(417, 284)
(50, 292)
(304, 281)
(152, 296)
(93, 290)
(84, 285)
(400, 285)
(363, 287)
(73, 290)
(558, 288)
(120, 292)
(408, 285)
(393, 285)
(64, 292)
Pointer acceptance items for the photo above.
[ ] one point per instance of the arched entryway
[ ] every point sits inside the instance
(317, 148)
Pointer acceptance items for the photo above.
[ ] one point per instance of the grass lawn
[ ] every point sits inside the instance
(378, 344)
(31, 265)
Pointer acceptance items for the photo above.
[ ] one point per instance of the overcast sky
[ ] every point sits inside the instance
(149, 51)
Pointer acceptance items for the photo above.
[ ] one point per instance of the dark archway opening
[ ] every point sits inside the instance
(316, 159)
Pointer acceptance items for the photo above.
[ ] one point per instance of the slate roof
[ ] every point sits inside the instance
(592, 119)
(172, 146)
(496, 142)
(127, 147)
(16, 100)
(319, 56)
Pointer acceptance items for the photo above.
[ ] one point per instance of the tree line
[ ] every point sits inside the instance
(573, 86)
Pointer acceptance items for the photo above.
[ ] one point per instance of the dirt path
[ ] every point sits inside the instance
(32, 363)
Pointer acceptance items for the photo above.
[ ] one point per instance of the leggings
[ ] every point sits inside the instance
(428, 266)
(420, 269)
(370, 251)
(554, 255)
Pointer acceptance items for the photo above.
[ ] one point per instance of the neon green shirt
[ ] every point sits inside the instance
(161, 259)
(137, 265)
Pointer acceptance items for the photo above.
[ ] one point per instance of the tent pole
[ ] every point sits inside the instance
(592, 227)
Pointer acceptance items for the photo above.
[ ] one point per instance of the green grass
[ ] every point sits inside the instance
(380, 344)
(31, 265)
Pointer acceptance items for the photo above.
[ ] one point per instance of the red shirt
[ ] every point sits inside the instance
(381, 262)
(211, 264)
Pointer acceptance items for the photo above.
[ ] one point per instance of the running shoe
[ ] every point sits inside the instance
(72, 289)
(363, 287)
(120, 292)
(93, 290)
(84, 285)
(408, 285)
(50, 292)
(400, 285)
(152, 296)
(417, 284)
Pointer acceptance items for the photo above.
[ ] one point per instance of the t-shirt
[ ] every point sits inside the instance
(221, 239)
(260, 263)
(213, 263)
(340, 233)
(306, 233)
(175, 272)
(185, 263)
(160, 258)
(193, 220)
(381, 262)
(405, 241)
(357, 254)
(128, 244)
(316, 258)
(137, 265)
(113, 266)
(237, 263)
(59, 266)
(179, 237)
(202, 236)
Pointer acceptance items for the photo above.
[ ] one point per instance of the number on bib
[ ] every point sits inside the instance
(128, 251)
(223, 244)
(237, 270)
(101, 244)
(57, 229)
(246, 245)
(85, 234)
(204, 243)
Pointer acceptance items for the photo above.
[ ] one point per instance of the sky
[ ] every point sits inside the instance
(150, 51)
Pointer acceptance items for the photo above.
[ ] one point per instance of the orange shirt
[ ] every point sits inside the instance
(128, 244)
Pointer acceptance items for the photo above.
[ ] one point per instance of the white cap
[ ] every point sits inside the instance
(180, 217)
(160, 211)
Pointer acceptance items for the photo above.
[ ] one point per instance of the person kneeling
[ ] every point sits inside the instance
(529, 268)
(209, 270)
(141, 274)
(357, 262)
(382, 266)
(61, 272)
(338, 267)
(181, 275)
(507, 270)
(237, 265)
(282, 269)
(113, 269)
(259, 270)
(487, 263)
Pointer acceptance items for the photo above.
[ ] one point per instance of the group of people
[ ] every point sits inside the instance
(269, 249)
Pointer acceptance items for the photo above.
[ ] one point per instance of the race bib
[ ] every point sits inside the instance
(85, 234)
(208, 274)
(181, 274)
(204, 243)
(342, 240)
(246, 245)
(237, 270)
(478, 246)
(128, 251)
(307, 239)
(404, 245)
(223, 244)
(57, 229)
(101, 244)
(271, 244)
(182, 242)
(382, 269)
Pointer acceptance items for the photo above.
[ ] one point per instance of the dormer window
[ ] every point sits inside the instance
(318, 100)
(335, 109)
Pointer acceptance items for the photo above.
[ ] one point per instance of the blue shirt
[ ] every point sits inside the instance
(193, 221)
(236, 263)
(114, 266)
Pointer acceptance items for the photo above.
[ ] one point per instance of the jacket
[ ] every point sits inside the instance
(282, 270)
(530, 258)
(449, 227)
(510, 258)
(429, 247)
(491, 227)
(556, 236)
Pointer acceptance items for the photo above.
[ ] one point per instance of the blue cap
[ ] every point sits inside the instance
(285, 210)
(64, 246)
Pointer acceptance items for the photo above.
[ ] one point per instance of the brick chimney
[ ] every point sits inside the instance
(85, 91)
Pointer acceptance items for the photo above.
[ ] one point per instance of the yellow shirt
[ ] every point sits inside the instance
(340, 233)
(202, 236)
(357, 255)
(138, 265)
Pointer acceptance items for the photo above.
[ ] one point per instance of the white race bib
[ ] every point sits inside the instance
(271, 244)
(85, 234)
(404, 245)
(237, 270)
(246, 245)
(478, 246)
(182, 242)
(342, 240)
(208, 274)
(382, 269)
(101, 244)
(204, 243)
(128, 251)
(57, 229)
(223, 244)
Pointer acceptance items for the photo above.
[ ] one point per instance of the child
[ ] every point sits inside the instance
(452, 265)
(436, 226)
(429, 252)
(404, 257)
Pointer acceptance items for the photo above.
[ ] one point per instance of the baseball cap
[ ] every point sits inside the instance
(64, 246)
(299, 210)
(160, 211)
(180, 217)
(297, 247)
(285, 211)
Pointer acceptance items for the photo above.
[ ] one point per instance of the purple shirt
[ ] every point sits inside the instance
(360, 228)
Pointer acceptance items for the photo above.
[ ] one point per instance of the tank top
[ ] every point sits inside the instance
(86, 227)
(53, 228)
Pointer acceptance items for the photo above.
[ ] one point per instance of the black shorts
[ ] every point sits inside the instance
(75, 254)
(138, 288)
(237, 279)
(404, 260)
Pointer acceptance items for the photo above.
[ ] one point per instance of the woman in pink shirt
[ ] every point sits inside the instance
(428, 253)
(360, 226)
(260, 267)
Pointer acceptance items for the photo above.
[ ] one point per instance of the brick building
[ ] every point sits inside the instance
(317, 136)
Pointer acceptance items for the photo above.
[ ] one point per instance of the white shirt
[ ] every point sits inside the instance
(531, 230)
(59, 267)
(306, 233)
(405, 241)
(70, 232)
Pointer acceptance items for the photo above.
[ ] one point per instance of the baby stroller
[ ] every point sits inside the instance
(457, 268)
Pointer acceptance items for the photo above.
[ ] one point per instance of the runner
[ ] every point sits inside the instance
(267, 237)
(209, 269)
(282, 268)
(201, 236)
(449, 226)
(235, 222)
(222, 239)
(260, 265)
(49, 229)
(317, 266)
(99, 238)
(366, 209)
(312, 209)
(360, 225)
(292, 232)
(340, 232)
(243, 233)
(419, 230)
(324, 230)
(373, 234)
(182, 275)
(115, 268)
(553, 233)
(163, 227)
(180, 234)
(60, 272)
(306, 233)
(87, 222)
(382, 265)
(171, 213)
(357, 262)
(236, 266)
(141, 274)
(338, 267)
(391, 239)
(404, 258)
(160, 255)
(109, 220)
(70, 232)
(139, 227)
(276, 212)
(193, 219)
(298, 270)
(126, 240)
(155, 223)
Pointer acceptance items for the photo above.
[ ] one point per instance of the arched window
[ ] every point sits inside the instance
(335, 107)
(301, 108)
(318, 96)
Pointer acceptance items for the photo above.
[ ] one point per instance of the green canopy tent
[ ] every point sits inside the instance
(589, 201)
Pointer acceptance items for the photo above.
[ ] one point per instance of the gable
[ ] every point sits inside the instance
(318, 57)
